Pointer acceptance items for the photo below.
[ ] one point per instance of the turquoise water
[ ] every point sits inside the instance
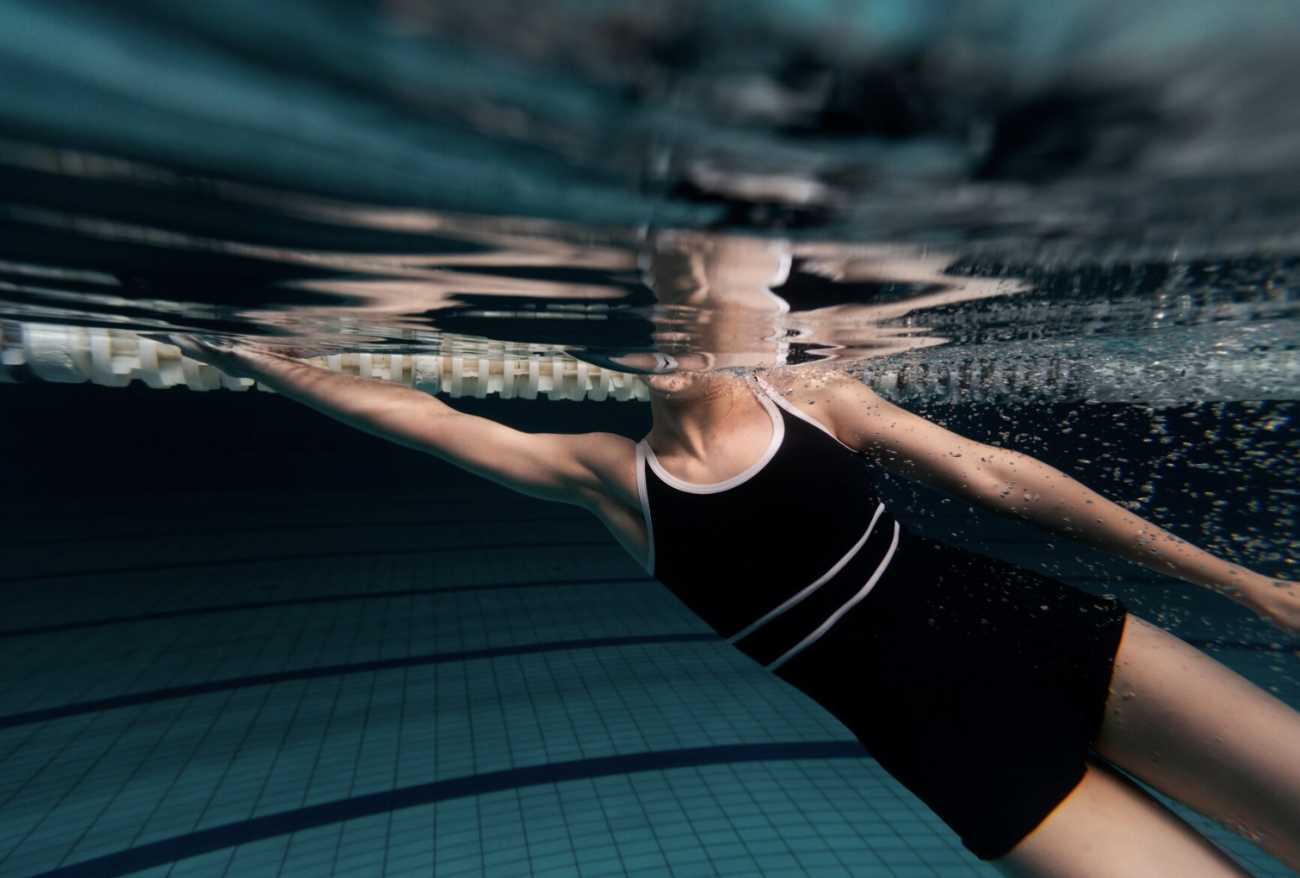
(238, 639)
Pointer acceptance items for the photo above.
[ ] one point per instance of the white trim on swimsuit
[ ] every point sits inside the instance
(848, 605)
(644, 497)
(778, 434)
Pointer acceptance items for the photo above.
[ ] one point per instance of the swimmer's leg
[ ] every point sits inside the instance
(1110, 828)
(1205, 736)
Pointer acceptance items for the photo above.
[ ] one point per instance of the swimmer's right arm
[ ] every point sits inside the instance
(1027, 489)
(562, 467)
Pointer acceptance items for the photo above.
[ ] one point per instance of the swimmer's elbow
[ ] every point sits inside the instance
(1020, 486)
(985, 476)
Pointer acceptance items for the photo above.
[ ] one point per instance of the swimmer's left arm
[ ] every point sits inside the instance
(1022, 487)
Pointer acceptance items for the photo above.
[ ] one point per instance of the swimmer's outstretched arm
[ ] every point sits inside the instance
(562, 467)
(1028, 489)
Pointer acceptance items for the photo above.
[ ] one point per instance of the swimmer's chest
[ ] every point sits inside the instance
(808, 502)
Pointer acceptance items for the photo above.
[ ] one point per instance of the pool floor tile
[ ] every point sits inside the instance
(274, 719)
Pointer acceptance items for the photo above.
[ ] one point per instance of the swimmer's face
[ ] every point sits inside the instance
(684, 385)
(680, 385)
(672, 385)
(681, 376)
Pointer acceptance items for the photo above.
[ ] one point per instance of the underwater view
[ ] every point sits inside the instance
(793, 408)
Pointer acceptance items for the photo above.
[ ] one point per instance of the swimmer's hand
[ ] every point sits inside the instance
(235, 360)
(1277, 600)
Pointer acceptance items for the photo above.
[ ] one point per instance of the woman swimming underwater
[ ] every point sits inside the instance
(1005, 700)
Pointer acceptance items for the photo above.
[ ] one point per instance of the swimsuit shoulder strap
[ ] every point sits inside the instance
(773, 394)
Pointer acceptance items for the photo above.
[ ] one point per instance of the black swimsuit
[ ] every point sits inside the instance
(977, 684)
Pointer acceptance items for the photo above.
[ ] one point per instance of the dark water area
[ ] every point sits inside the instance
(81, 441)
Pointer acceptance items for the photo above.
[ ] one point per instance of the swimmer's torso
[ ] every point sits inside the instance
(768, 556)
(978, 685)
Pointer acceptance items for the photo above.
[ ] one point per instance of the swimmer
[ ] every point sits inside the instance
(1016, 707)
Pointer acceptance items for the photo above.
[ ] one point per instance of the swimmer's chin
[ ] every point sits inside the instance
(670, 383)
(685, 384)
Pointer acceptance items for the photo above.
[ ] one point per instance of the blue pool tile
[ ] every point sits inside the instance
(97, 783)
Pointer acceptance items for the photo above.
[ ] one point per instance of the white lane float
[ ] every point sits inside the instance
(116, 357)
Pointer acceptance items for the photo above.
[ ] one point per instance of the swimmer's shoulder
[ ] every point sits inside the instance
(828, 395)
(808, 388)
(611, 459)
(839, 401)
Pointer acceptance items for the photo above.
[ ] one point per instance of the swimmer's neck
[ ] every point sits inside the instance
(691, 419)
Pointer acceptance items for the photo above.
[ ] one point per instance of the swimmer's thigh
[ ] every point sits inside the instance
(1184, 724)
(1108, 827)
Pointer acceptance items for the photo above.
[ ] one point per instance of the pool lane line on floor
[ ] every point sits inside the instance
(344, 597)
(254, 829)
(152, 696)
